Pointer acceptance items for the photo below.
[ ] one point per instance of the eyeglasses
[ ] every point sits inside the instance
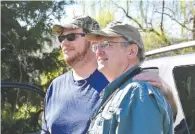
(104, 45)
(69, 37)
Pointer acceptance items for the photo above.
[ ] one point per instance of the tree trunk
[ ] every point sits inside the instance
(193, 31)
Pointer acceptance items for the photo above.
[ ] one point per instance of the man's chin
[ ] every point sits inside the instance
(70, 60)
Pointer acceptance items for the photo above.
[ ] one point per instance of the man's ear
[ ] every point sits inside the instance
(132, 51)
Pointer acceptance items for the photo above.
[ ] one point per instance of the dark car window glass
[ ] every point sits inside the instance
(185, 82)
(20, 111)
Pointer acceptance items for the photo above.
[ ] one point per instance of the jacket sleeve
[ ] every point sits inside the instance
(145, 115)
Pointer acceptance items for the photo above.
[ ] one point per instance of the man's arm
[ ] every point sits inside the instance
(155, 80)
(45, 129)
(44, 125)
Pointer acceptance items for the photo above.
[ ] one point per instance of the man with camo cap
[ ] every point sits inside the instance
(73, 97)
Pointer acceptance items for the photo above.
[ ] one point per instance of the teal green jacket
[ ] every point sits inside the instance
(135, 108)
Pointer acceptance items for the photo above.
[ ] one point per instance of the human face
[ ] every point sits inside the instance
(113, 58)
(74, 48)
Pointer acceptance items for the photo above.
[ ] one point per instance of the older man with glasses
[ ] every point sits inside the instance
(128, 106)
(73, 97)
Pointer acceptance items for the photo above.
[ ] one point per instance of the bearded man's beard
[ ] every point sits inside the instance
(78, 56)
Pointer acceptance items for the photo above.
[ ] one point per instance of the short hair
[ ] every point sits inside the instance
(141, 52)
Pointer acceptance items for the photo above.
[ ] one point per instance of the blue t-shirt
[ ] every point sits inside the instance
(70, 104)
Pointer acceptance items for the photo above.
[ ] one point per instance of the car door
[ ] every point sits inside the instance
(184, 77)
(21, 108)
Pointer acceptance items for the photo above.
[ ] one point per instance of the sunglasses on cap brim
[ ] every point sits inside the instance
(69, 37)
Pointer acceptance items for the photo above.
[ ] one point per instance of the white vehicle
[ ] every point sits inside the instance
(179, 72)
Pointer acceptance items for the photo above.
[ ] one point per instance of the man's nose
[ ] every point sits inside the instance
(65, 43)
(99, 51)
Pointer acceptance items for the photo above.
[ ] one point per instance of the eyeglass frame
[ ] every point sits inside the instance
(104, 46)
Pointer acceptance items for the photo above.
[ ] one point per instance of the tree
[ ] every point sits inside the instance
(25, 33)
(161, 23)
(154, 17)
(99, 10)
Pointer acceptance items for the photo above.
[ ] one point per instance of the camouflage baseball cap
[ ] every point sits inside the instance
(77, 22)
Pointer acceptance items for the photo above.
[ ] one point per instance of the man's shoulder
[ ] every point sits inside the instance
(140, 89)
(62, 77)
(144, 91)
(58, 82)
(131, 90)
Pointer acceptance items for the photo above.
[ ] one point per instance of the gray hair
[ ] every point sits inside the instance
(141, 51)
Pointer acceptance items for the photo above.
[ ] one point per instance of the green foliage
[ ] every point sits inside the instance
(106, 13)
(152, 41)
(183, 8)
(20, 110)
(47, 76)
(102, 10)
(188, 50)
(25, 33)
(104, 17)
(22, 121)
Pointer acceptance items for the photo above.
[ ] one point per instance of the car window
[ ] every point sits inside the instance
(184, 77)
(20, 110)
